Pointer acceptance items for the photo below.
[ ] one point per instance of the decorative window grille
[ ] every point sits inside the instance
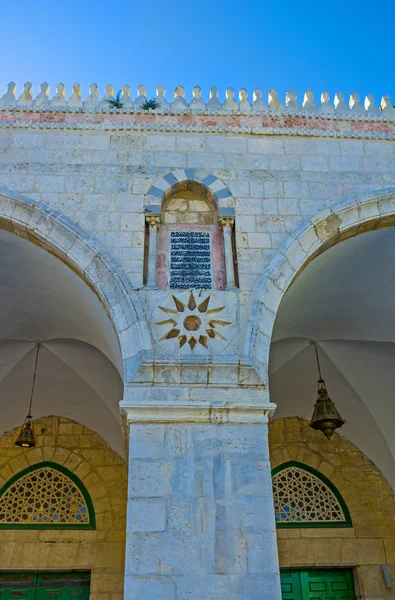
(303, 497)
(45, 495)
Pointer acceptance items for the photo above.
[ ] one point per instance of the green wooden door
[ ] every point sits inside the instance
(291, 587)
(18, 586)
(317, 584)
(43, 586)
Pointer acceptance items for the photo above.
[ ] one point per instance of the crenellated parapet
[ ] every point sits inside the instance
(93, 101)
(110, 111)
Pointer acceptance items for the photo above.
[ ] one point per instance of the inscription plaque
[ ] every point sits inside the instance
(190, 260)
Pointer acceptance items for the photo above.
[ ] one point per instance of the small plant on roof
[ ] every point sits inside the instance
(153, 104)
(116, 103)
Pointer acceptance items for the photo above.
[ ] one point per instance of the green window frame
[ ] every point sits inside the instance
(39, 585)
(76, 481)
(347, 522)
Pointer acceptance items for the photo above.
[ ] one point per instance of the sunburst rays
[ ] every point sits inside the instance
(193, 323)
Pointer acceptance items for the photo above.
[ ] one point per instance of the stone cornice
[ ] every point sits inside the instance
(197, 413)
(282, 122)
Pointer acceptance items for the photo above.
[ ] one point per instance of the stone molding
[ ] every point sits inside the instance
(57, 234)
(197, 413)
(169, 184)
(337, 125)
(331, 226)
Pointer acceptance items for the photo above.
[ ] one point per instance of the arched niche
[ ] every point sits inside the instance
(190, 239)
(190, 251)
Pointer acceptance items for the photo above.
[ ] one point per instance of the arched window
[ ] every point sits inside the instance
(45, 496)
(303, 497)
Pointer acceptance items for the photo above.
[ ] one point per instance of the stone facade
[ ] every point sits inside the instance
(370, 542)
(277, 186)
(104, 474)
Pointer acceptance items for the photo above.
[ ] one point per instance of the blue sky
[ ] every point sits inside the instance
(337, 46)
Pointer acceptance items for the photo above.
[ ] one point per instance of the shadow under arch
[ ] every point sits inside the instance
(58, 235)
(347, 219)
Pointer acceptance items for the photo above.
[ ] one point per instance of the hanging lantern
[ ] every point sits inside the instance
(326, 417)
(26, 434)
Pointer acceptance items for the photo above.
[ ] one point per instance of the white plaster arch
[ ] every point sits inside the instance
(166, 185)
(331, 226)
(61, 237)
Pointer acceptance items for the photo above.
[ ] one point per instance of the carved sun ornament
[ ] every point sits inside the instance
(185, 322)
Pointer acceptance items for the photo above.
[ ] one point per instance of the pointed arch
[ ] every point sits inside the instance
(46, 495)
(304, 497)
(180, 179)
(332, 226)
(58, 235)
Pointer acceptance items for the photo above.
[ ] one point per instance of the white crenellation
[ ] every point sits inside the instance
(291, 101)
(9, 98)
(386, 106)
(371, 107)
(60, 97)
(161, 98)
(93, 98)
(356, 105)
(308, 102)
(273, 102)
(245, 106)
(43, 97)
(75, 99)
(125, 97)
(109, 95)
(26, 98)
(354, 109)
(326, 106)
(141, 96)
(197, 103)
(259, 104)
(179, 102)
(230, 102)
(340, 105)
(214, 103)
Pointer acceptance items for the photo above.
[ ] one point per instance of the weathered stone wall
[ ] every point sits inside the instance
(104, 474)
(371, 540)
(200, 515)
(99, 179)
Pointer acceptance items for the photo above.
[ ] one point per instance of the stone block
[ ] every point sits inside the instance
(147, 441)
(142, 588)
(228, 144)
(205, 161)
(259, 240)
(246, 223)
(150, 478)
(167, 554)
(27, 140)
(146, 515)
(251, 478)
(161, 143)
(190, 143)
(266, 145)
(170, 159)
(181, 515)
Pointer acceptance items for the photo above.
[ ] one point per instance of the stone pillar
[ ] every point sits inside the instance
(227, 225)
(200, 521)
(153, 225)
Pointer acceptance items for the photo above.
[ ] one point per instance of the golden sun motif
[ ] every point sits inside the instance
(192, 323)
